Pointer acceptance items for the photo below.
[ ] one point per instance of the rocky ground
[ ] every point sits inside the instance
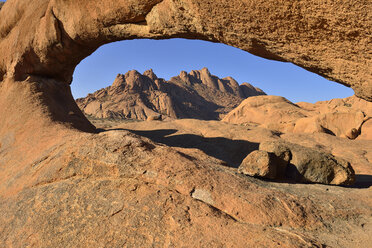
(339, 216)
(154, 183)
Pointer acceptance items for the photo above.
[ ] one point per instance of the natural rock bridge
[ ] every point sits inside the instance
(61, 187)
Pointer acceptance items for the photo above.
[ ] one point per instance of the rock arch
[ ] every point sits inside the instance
(62, 187)
(41, 43)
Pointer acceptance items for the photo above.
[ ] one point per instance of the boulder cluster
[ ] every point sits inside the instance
(284, 160)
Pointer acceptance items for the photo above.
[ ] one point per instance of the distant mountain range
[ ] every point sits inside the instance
(197, 94)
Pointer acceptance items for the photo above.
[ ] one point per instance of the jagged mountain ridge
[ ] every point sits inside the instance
(197, 94)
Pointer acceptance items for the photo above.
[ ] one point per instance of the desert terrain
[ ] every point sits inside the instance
(180, 182)
(222, 146)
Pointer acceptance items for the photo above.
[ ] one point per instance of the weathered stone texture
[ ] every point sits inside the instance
(329, 38)
(61, 187)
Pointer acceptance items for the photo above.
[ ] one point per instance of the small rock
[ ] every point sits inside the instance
(155, 118)
(203, 195)
(352, 133)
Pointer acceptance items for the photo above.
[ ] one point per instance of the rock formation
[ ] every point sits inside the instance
(339, 117)
(306, 164)
(305, 33)
(260, 164)
(227, 145)
(62, 187)
(366, 130)
(197, 95)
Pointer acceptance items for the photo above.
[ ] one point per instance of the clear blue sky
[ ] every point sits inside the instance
(168, 57)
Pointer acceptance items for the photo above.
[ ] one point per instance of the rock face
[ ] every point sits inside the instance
(340, 124)
(366, 131)
(41, 44)
(339, 117)
(305, 33)
(197, 94)
(273, 112)
(227, 145)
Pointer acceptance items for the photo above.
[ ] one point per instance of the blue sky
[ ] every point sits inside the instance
(168, 57)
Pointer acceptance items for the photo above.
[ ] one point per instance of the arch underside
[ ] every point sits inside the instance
(42, 43)
(49, 38)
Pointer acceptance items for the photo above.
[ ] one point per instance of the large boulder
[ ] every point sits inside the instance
(259, 164)
(310, 165)
(273, 112)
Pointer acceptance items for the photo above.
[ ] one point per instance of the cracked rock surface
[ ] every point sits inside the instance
(119, 189)
(64, 185)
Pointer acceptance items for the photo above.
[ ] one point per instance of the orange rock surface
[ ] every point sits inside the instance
(65, 185)
(347, 118)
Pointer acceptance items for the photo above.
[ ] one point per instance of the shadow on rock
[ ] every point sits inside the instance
(232, 152)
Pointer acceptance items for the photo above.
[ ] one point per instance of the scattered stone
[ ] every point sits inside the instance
(202, 195)
(154, 118)
(352, 133)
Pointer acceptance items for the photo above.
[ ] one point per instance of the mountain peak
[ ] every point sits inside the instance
(119, 80)
(132, 73)
(150, 73)
(205, 71)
